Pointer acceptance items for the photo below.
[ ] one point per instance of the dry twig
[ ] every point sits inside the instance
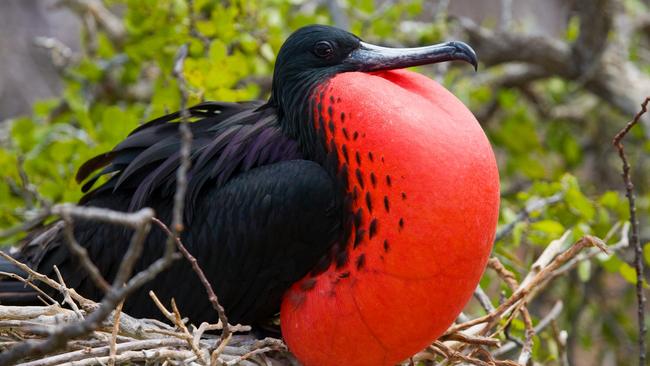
(223, 319)
(636, 244)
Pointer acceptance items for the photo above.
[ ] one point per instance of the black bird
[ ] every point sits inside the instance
(269, 199)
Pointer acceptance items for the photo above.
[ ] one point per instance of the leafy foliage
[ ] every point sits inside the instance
(118, 84)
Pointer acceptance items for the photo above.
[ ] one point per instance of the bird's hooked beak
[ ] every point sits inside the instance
(369, 57)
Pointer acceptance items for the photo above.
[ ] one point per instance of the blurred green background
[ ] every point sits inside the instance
(550, 119)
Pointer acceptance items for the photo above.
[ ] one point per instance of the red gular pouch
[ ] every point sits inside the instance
(425, 190)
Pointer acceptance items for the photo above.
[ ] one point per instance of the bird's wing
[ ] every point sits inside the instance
(259, 218)
(228, 138)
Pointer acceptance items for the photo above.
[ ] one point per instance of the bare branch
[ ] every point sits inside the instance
(59, 337)
(186, 145)
(53, 284)
(225, 334)
(595, 61)
(483, 299)
(553, 314)
(522, 293)
(82, 254)
(116, 329)
(636, 244)
(60, 54)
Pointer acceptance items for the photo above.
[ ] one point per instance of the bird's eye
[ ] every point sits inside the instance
(323, 49)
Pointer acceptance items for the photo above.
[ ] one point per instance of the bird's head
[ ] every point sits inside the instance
(316, 52)
(419, 189)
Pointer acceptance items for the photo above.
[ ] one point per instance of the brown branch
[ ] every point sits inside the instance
(470, 339)
(527, 349)
(592, 252)
(552, 315)
(509, 278)
(178, 320)
(455, 356)
(636, 244)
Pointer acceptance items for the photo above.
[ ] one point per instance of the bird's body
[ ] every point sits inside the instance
(362, 204)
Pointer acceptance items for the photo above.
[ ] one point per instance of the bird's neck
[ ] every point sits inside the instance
(296, 99)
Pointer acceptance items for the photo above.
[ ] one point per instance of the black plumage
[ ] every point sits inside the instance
(266, 200)
(258, 215)
(261, 207)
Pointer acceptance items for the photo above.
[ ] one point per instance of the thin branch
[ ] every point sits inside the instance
(194, 32)
(522, 293)
(596, 62)
(636, 244)
(483, 299)
(532, 205)
(28, 282)
(130, 219)
(455, 356)
(66, 294)
(178, 320)
(509, 278)
(470, 339)
(214, 300)
(60, 336)
(116, 329)
(185, 149)
(82, 254)
(592, 252)
(48, 281)
(552, 315)
(105, 351)
(61, 55)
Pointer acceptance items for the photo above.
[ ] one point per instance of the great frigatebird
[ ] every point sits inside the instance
(359, 202)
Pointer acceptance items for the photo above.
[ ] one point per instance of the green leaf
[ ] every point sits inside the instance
(610, 199)
(584, 271)
(550, 227)
(572, 29)
(627, 272)
(577, 201)
(646, 253)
